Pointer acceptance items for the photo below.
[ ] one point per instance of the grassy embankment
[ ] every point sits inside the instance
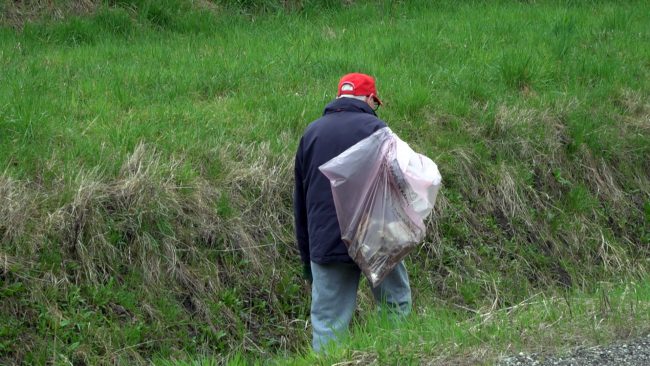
(146, 155)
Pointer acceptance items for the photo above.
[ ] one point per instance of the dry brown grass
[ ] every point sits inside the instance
(16, 13)
(144, 221)
(510, 199)
(16, 208)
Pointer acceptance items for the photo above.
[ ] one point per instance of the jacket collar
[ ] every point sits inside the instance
(348, 105)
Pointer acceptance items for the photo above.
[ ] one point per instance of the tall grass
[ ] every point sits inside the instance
(146, 153)
(443, 335)
(456, 336)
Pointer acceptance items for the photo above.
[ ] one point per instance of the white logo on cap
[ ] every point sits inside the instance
(347, 87)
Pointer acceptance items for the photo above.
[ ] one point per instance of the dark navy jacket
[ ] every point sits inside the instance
(345, 122)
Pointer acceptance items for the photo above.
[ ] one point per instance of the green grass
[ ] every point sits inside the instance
(443, 334)
(146, 162)
(540, 323)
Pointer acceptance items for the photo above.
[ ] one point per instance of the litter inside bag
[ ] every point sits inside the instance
(382, 192)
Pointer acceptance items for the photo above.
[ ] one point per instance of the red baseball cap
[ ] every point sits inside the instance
(359, 85)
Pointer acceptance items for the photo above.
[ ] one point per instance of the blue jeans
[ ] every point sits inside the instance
(334, 298)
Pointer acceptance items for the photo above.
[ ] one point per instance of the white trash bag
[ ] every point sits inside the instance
(382, 191)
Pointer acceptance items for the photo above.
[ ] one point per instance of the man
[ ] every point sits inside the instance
(333, 275)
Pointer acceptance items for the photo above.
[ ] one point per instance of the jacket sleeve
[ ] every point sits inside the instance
(300, 209)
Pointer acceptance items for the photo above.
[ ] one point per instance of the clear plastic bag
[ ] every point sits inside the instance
(382, 192)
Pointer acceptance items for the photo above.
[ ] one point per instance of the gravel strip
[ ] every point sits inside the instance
(634, 353)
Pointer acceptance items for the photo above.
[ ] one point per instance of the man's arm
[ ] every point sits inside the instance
(300, 209)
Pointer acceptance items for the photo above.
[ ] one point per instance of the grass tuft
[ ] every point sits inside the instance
(16, 207)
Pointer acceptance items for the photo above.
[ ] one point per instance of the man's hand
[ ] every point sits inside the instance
(306, 272)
